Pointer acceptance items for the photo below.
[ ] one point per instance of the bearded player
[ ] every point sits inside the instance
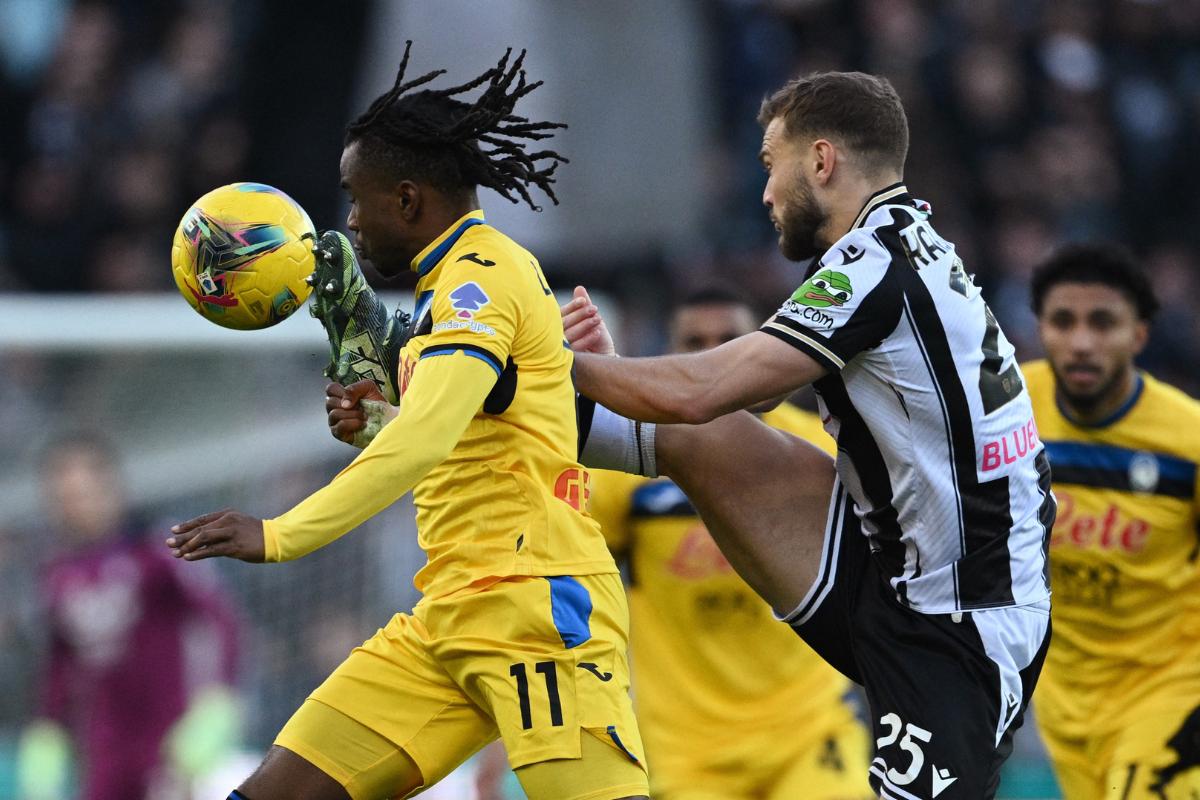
(1119, 700)
(519, 589)
(941, 610)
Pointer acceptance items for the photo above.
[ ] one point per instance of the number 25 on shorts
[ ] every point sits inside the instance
(910, 743)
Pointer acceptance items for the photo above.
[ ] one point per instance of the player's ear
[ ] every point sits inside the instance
(408, 199)
(824, 156)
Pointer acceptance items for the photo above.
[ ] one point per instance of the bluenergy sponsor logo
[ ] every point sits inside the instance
(468, 299)
(1010, 449)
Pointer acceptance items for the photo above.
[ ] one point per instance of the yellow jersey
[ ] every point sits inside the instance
(717, 677)
(486, 436)
(1123, 553)
(510, 499)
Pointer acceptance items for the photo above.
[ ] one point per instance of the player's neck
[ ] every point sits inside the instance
(447, 210)
(853, 198)
(461, 206)
(441, 212)
(1105, 407)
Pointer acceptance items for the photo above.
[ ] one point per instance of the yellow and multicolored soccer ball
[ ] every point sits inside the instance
(241, 256)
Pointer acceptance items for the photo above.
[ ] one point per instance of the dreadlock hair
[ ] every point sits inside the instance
(455, 145)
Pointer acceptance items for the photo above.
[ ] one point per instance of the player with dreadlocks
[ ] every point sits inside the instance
(521, 631)
(432, 135)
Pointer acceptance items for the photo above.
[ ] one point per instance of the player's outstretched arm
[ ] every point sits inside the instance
(444, 394)
(442, 398)
(222, 533)
(730, 468)
(697, 387)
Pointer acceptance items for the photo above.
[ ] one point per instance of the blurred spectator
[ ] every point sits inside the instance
(119, 113)
(141, 657)
(135, 115)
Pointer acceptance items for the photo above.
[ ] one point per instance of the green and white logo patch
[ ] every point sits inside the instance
(826, 288)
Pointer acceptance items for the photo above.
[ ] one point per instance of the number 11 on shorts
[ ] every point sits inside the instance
(546, 668)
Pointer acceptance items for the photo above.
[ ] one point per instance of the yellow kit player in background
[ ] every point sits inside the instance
(732, 704)
(1119, 699)
(519, 591)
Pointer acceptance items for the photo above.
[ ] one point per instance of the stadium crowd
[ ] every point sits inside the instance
(120, 124)
(121, 113)
(1033, 122)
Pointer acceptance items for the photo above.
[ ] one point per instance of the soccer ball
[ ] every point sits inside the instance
(241, 255)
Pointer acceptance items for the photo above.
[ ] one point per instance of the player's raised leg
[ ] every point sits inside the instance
(764, 495)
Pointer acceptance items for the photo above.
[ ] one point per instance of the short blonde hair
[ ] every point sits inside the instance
(862, 111)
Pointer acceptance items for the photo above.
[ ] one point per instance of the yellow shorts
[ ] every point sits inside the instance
(1155, 757)
(828, 762)
(538, 661)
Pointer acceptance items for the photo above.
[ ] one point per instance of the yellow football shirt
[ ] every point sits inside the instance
(510, 499)
(717, 679)
(1126, 588)
(486, 387)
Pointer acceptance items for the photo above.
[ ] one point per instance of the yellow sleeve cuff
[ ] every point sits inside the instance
(270, 541)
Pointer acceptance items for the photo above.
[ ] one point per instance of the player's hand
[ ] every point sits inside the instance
(221, 533)
(584, 327)
(346, 413)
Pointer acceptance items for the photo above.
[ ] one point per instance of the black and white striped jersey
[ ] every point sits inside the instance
(936, 439)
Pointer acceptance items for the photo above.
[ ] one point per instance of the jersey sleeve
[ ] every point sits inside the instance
(443, 396)
(850, 303)
(476, 311)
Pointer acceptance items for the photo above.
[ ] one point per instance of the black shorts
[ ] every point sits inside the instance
(945, 692)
